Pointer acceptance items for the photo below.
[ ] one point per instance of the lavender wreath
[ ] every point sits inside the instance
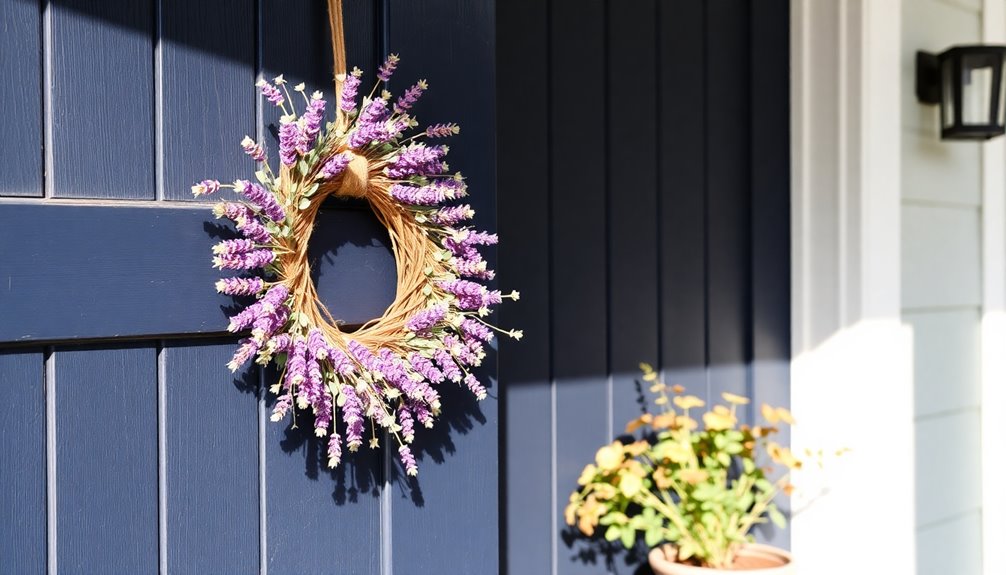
(388, 371)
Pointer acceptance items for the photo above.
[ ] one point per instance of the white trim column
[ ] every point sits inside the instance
(852, 381)
(993, 328)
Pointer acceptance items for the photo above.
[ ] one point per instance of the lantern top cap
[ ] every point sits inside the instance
(965, 49)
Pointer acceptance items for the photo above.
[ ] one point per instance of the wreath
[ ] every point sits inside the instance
(387, 371)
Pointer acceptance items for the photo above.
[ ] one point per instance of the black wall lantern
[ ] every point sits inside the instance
(966, 81)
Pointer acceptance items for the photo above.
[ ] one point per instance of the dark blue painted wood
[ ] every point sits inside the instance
(320, 520)
(447, 521)
(208, 92)
(102, 98)
(20, 65)
(770, 216)
(212, 460)
(680, 261)
(351, 263)
(121, 272)
(579, 246)
(728, 117)
(633, 242)
(295, 42)
(106, 460)
(22, 462)
(682, 158)
(770, 210)
(525, 366)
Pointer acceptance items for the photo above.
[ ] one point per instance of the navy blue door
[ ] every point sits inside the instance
(128, 447)
(644, 201)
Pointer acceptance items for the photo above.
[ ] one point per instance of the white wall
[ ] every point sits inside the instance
(941, 261)
(851, 370)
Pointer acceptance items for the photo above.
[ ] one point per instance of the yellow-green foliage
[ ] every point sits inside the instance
(700, 489)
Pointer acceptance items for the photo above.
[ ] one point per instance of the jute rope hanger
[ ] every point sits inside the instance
(338, 54)
(363, 178)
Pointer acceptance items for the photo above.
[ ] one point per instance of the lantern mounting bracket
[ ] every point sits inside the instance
(927, 77)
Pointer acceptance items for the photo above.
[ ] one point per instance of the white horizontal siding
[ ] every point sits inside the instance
(942, 300)
(936, 172)
(951, 548)
(945, 360)
(948, 463)
(941, 257)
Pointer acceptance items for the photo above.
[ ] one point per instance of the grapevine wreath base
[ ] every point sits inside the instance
(388, 371)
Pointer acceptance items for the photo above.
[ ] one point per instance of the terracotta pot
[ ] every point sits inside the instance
(754, 558)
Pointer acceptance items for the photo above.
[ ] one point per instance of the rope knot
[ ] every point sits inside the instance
(355, 178)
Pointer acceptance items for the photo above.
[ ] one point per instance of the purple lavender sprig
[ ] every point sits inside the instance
(246, 261)
(283, 405)
(205, 187)
(245, 220)
(335, 165)
(408, 460)
(341, 362)
(417, 159)
(453, 215)
(240, 286)
(253, 149)
(423, 321)
(448, 365)
(476, 329)
(352, 413)
(248, 348)
(366, 134)
(476, 387)
(429, 195)
(269, 323)
(311, 120)
(388, 68)
(263, 199)
(317, 345)
(442, 130)
(233, 247)
(271, 92)
(425, 368)
(410, 97)
(376, 112)
(296, 365)
(334, 449)
(347, 102)
(289, 136)
(408, 424)
(253, 229)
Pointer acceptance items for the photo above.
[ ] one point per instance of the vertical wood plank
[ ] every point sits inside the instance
(212, 460)
(102, 99)
(525, 377)
(770, 209)
(106, 460)
(319, 520)
(295, 42)
(770, 216)
(207, 52)
(21, 67)
(579, 228)
(22, 462)
(682, 148)
(447, 521)
(632, 204)
(728, 119)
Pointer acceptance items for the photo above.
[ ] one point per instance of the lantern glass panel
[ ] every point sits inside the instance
(947, 83)
(976, 88)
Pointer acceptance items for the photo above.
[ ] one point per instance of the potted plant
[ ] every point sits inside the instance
(693, 491)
